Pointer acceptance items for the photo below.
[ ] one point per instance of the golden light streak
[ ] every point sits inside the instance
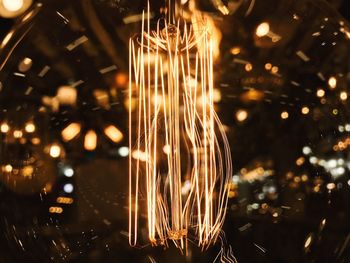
(168, 116)
(113, 133)
(90, 141)
(71, 131)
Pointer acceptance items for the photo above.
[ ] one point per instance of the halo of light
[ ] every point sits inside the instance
(13, 5)
(68, 172)
(68, 188)
(262, 29)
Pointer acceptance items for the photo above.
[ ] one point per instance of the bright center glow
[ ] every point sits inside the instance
(36, 141)
(306, 150)
(71, 131)
(235, 50)
(305, 110)
(12, 5)
(313, 160)
(17, 134)
(139, 155)
(332, 82)
(7, 38)
(55, 151)
(30, 127)
(241, 115)
(308, 242)
(274, 70)
(25, 65)
(90, 141)
(67, 95)
(68, 172)
(68, 188)
(343, 95)
(263, 29)
(4, 128)
(123, 151)
(330, 186)
(113, 133)
(332, 163)
(268, 66)
(284, 115)
(248, 67)
(320, 93)
(216, 95)
(167, 149)
(8, 168)
(186, 188)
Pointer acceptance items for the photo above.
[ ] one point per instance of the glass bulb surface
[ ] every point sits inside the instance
(286, 120)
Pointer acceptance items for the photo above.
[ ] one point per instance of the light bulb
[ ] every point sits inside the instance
(172, 110)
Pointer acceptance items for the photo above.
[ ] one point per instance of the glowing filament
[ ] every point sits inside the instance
(183, 144)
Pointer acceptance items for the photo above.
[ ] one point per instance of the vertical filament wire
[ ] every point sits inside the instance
(171, 76)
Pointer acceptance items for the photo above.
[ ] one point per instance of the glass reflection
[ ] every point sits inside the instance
(281, 91)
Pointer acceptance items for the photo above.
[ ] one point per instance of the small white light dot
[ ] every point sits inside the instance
(306, 150)
(123, 151)
(68, 172)
(347, 127)
(68, 188)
